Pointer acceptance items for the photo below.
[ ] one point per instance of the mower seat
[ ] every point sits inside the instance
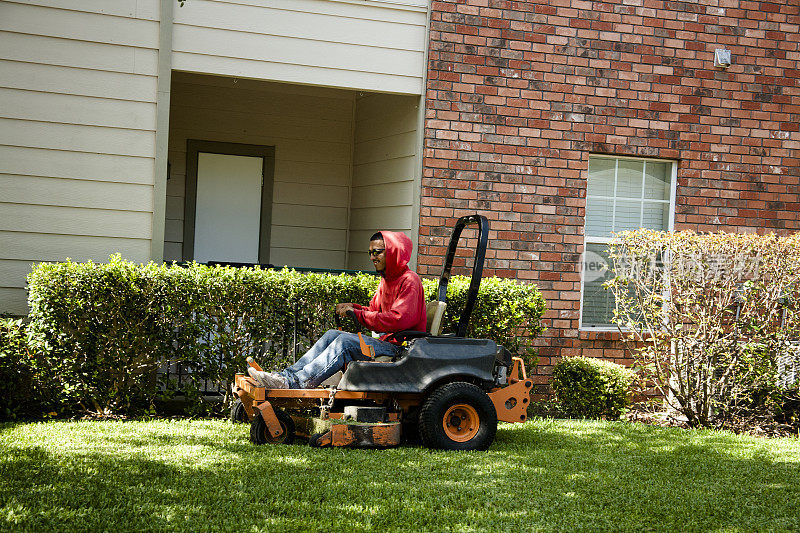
(435, 311)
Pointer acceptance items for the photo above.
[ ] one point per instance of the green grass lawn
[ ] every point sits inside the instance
(548, 475)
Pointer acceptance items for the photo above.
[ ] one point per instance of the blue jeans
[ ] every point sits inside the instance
(329, 355)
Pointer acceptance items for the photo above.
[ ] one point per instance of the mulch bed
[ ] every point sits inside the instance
(656, 416)
(756, 428)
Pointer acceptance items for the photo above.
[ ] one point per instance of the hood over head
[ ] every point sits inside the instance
(398, 253)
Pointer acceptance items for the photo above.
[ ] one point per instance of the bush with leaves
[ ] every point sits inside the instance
(100, 332)
(15, 369)
(585, 387)
(708, 317)
(506, 311)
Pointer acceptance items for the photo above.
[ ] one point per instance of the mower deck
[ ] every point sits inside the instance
(310, 413)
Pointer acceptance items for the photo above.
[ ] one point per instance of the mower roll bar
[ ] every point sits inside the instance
(475, 282)
(477, 267)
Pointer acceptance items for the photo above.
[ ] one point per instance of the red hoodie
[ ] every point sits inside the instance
(399, 302)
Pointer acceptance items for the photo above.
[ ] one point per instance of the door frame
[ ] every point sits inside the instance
(266, 153)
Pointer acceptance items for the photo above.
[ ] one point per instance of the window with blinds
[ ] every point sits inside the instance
(622, 194)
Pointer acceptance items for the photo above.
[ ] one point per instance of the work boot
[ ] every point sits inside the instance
(268, 380)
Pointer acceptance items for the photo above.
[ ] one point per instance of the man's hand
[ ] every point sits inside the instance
(342, 309)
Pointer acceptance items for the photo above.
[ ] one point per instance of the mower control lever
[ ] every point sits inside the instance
(338, 320)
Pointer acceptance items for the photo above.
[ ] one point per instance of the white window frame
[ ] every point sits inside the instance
(608, 240)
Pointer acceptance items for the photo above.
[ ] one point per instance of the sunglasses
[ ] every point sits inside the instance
(376, 251)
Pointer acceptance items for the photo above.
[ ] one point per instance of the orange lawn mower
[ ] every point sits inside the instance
(449, 389)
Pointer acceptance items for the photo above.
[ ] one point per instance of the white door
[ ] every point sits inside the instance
(228, 211)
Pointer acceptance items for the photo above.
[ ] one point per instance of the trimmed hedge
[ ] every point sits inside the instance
(100, 332)
(592, 388)
(15, 368)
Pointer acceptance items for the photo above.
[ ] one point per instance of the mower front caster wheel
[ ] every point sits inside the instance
(259, 433)
(458, 416)
(238, 413)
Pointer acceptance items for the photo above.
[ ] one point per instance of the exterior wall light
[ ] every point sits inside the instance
(722, 58)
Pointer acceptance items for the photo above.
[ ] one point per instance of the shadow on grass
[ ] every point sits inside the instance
(545, 475)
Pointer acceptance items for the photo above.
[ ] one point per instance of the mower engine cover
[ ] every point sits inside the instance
(424, 362)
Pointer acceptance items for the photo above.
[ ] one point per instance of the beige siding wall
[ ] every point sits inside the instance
(77, 134)
(311, 130)
(364, 44)
(384, 166)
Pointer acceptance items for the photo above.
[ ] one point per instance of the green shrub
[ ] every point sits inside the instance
(15, 368)
(506, 311)
(100, 332)
(708, 326)
(592, 388)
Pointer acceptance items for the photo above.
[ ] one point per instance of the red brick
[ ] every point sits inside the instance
(510, 126)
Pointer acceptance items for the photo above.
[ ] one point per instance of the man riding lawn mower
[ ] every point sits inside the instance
(451, 389)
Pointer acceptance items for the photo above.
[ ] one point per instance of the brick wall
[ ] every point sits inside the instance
(520, 93)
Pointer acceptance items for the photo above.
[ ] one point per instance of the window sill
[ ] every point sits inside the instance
(599, 335)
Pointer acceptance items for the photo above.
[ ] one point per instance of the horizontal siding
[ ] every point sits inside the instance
(77, 133)
(309, 195)
(76, 193)
(289, 127)
(173, 231)
(77, 138)
(385, 148)
(198, 95)
(401, 12)
(274, 19)
(293, 257)
(385, 171)
(139, 9)
(13, 298)
(296, 73)
(275, 49)
(76, 165)
(320, 173)
(36, 247)
(298, 172)
(308, 150)
(13, 273)
(14, 301)
(384, 160)
(391, 119)
(75, 221)
(77, 110)
(76, 25)
(77, 81)
(314, 215)
(372, 46)
(81, 54)
(174, 208)
(302, 238)
(383, 195)
(311, 130)
(171, 251)
(398, 217)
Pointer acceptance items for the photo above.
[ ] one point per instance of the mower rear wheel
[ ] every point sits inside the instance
(238, 414)
(458, 416)
(259, 433)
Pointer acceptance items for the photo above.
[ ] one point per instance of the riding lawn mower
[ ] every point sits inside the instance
(448, 389)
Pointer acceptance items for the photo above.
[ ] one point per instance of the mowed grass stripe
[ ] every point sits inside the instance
(544, 475)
